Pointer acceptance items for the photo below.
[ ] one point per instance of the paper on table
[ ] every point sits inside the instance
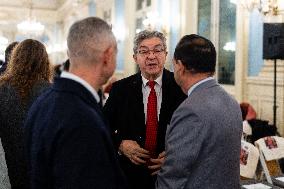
(280, 179)
(257, 186)
(247, 128)
(248, 159)
(272, 147)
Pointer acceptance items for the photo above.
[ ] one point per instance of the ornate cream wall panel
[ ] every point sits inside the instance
(259, 92)
(241, 52)
(129, 65)
(189, 16)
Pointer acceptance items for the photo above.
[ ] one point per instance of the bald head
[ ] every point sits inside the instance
(88, 38)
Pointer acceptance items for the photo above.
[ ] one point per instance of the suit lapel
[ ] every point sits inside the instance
(166, 93)
(137, 98)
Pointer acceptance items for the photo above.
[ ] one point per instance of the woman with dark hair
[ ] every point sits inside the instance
(27, 75)
(248, 112)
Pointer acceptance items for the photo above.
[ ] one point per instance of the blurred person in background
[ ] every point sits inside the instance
(66, 65)
(27, 75)
(4, 178)
(59, 68)
(1, 63)
(106, 89)
(8, 53)
(56, 70)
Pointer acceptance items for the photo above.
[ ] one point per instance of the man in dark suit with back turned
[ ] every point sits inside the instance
(68, 142)
(139, 109)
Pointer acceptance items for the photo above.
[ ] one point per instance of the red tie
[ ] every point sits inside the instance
(152, 120)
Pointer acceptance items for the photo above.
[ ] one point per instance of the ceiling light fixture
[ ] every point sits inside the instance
(30, 26)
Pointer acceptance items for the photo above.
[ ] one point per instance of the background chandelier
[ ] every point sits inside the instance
(273, 7)
(152, 20)
(30, 26)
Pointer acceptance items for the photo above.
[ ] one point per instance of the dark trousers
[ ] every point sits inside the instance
(138, 176)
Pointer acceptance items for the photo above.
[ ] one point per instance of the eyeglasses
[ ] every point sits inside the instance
(146, 52)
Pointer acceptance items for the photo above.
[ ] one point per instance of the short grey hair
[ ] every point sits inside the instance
(146, 34)
(83, 34)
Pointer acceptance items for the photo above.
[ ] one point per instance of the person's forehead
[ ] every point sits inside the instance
(151, 42)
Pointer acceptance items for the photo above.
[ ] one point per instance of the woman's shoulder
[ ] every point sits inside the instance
(7, 90)
(41, 86)
(37, 89)
(10, 105)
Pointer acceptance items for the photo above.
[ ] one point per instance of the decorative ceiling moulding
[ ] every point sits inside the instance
(69, 7)
(16, 14)
(103, 3)
(38, 4)
(266, 7)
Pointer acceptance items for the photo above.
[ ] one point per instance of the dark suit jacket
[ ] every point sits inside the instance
(125, 112)
(68, 142)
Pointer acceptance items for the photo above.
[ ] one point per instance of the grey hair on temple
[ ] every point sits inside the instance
(87, 35)
(146, 34)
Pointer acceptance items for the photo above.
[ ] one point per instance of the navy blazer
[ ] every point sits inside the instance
(68, 142)
(125, 112)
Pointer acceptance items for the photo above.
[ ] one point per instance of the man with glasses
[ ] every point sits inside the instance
(140, 107)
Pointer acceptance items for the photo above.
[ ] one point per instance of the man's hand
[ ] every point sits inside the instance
(157, 163)
(134, 152)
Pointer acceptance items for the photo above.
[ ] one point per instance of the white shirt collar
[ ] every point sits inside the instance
(74, 77)
(198, 83)
(158, 80)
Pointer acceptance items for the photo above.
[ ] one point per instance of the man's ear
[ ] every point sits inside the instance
(181, 66)
(135, 58)
(107, 55)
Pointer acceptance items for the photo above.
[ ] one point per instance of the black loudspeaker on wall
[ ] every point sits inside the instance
(273, 41)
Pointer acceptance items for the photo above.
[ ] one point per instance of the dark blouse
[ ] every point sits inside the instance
(12, 115)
